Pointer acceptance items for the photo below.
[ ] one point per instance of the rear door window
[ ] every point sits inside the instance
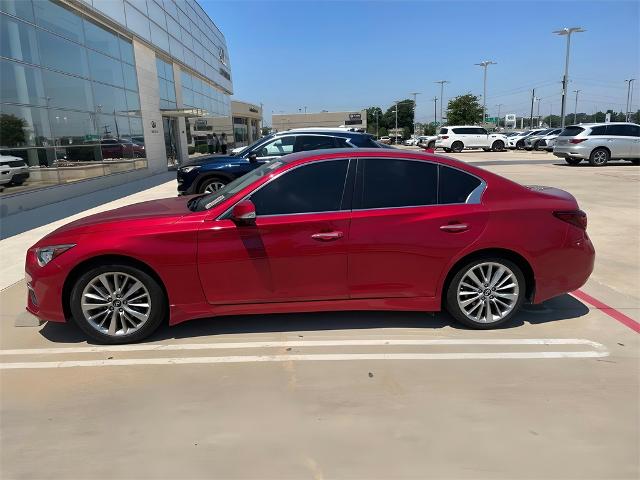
(620, 130)
(601, 130)
(444, 131)
(387, 183)
(313, 142)
(455, 186)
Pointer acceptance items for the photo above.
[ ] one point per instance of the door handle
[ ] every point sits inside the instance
(454, 227)
(327, 236)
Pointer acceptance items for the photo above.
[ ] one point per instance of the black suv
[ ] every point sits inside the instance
(212, 172)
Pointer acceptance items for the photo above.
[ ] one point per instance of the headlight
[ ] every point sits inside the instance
(45, 254)
(189, 168)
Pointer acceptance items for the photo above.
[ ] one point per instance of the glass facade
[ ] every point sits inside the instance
(200, 94)
(69, 102)
(180, 28)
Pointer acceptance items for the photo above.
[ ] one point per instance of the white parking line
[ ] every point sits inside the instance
(301, 343)
(598, 351)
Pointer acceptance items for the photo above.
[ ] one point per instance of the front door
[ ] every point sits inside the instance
(170, 141)
(405, 230)
(297, 249)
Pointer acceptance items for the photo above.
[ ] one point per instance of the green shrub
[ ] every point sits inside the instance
(203, 148)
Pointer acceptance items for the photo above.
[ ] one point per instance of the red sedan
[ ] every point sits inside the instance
(353, 229)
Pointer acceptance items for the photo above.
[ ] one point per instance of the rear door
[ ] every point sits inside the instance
(620, 140)
(410, 218)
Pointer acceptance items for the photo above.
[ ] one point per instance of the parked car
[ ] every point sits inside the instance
(15, 169)
(5, 176)
(209, 173)
(530, 140)
(427, 141)
(344, 229)
(517, 141)
(385, 139)
(409, 142)
(546, 142)
(457, 138)
(599, 143)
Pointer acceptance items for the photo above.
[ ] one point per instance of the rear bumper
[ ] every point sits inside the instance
(575, 151)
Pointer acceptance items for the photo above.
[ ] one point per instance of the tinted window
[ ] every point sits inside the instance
(23, 35)
(398, 183)
(311, 188)
(459, 131)
(363, 141)
(59, 20)
(571, 131)
(634, 130)
(620, 130)
(455, 185)
(60, 54)
(444, 131)
(277, 148)
(601, 130)
(313, 142)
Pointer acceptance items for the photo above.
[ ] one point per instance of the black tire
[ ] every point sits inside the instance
(17, 183)
(207, 182)
(572, 160)
(635, 161)
(536, 146)
(157, 310)
(457, 146)
(497, 146)
(520, 145)
(486, 149)
(451, 301)
(431, 145)
(599, 157)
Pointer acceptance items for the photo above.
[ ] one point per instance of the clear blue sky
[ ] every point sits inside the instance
(344, 55)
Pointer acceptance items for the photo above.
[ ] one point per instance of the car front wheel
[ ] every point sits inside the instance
(497, 146)
(211, 185)
(486, 293)
(116, 304)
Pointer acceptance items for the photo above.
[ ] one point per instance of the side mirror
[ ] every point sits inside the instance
(244, 213)
(253, 158)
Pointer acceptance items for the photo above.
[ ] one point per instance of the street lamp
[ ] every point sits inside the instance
(629, 97)
(441, 82)
(575, 108)
(484, 64)
(565, 80)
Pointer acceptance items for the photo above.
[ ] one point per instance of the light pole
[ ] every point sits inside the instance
(575, 107)
(435, 114)
(498, 122)
(538, 100)
(441, 82)
(484, 64)
(415, 94)
(629, 96)
(565, 80)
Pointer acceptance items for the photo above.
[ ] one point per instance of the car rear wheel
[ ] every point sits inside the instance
(498, 146)
(431, 145)
(485, 293)
(572, 160)
(115, 304)
(211, 185)
(599, 157)
(457, 147)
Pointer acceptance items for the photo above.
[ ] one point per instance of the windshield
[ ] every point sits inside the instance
(207, 201)
(254, 144)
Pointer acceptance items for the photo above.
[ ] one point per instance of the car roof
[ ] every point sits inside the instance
(323, 130)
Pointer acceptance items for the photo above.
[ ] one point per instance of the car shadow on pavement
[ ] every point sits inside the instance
(561, 308)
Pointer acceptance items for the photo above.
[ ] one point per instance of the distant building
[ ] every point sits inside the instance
(355, 119)
(242, 127)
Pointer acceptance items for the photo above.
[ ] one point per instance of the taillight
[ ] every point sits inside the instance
(575, 141)
(444, 137)
(576, 218)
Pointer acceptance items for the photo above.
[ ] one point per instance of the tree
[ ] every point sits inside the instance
(11, 130)
(464, 110)
(405, 115)
(372, 122)
(430, 129)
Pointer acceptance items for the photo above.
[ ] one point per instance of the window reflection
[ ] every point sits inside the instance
(18, 40)
(105, 69)
(60, 54)
(58, 19)
(64, 91)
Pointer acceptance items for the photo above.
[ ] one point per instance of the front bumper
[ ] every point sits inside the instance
(187, 182)
(44, 284)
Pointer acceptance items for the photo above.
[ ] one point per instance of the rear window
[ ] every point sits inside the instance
(444, 131)
(571, 131)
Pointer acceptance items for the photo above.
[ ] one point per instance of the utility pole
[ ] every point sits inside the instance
(484, 64)
(415, 94)
(435, 114)
(629, 95)
(538, 100)
(565, 79)
(498, 123)
(575, 107)
(441, 82)
(533, 99)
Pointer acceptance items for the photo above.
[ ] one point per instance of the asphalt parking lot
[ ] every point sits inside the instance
(554, 394)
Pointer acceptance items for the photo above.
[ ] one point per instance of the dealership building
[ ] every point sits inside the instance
(96, 93)
(354, 119)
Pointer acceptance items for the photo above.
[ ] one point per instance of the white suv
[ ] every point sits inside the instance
(457, 138)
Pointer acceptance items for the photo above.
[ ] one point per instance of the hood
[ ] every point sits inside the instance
(211, 159)
(166, 210)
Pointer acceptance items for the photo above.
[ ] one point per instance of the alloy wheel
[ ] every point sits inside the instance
(116, 303)
(600, 157)
(487, 292)
(213, 186)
